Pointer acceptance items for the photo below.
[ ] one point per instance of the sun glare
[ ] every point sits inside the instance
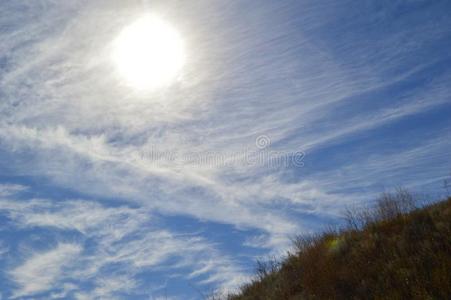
(149, 53)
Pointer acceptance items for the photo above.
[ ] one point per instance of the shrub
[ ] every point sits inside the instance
(393, 251)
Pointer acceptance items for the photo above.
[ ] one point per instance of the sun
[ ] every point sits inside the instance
(149, 53)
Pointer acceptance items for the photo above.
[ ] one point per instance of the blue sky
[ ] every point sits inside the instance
(285, 113)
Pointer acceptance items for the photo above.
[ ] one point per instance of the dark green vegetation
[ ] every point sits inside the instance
(394, 251)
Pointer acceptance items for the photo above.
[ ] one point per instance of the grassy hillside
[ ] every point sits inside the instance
(395, 251)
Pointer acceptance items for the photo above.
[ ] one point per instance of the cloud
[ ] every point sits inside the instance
(75, 126)
(318, 77)
(42, 270)
(127, 238)
(4, 249)
(10, 189)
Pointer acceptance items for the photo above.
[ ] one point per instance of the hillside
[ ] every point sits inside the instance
(394, 251)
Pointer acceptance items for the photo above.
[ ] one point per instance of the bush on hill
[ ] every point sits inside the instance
(394, 251)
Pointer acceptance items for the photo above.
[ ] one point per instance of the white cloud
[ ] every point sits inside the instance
(42, 270)
(11, 189)
(66, 118)
(128, 238)
(4, 249)
(83, 123)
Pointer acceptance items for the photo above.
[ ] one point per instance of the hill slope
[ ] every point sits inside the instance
(393, 252)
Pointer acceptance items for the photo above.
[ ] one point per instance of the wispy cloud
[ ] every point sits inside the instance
(42, 270)
(365, 105)
(127, 238)
(10, 189)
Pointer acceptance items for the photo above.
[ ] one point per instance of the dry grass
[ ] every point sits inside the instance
(394, 251)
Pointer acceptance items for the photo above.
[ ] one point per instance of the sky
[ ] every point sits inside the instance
(285, 114)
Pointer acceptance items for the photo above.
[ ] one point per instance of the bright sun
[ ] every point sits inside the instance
(149, 53)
